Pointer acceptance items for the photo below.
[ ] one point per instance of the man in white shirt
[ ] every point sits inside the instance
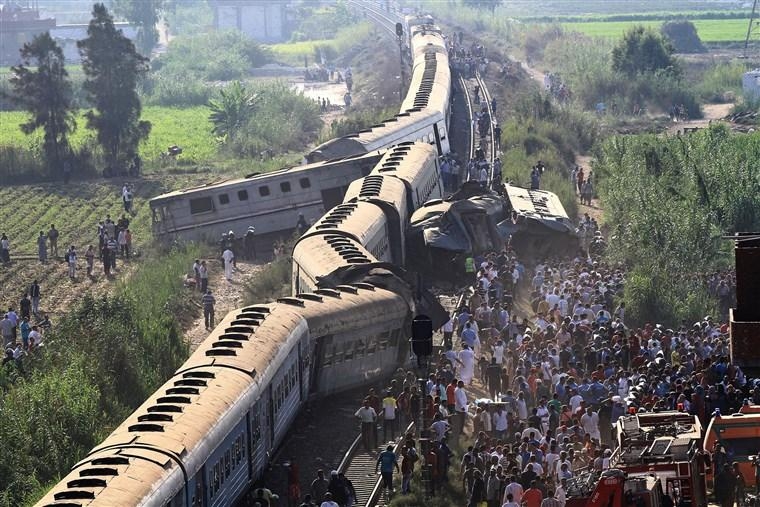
(440, 426)
(575, 401)
(500, 422)
(460, 407)
(515, 490)
(561, 493)
(367, 416)
(498, 351)
(228, 257)
(590, 424)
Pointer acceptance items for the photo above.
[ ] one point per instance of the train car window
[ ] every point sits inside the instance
(359, 348)
(285, 186)
(304, 182)
(371, 345)
(394, 338)
(224, 199)
(227, 463)
(264, 191)
(242, 195)
(201, 205)
(349, 353)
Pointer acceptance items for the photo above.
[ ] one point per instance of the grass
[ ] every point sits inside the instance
(293, 53)
(709, 30)
(186, 127)
(76, 209)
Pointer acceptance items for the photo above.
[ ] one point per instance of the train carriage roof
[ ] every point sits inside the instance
(380, 188)
(405, 160)
(358, 219)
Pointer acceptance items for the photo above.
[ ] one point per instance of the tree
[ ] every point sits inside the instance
(643, 50)
(483, 4)
(144, 14)
(232, 109)
(46, 94)
(113, 67)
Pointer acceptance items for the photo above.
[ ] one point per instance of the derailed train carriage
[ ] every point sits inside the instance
(207, 433)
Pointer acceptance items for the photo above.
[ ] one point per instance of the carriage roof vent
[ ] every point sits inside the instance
(238, 330)
(74, 494)
(199, 374)
(310, 297)
(146, 427)
(183, 390)
(86, 483)
(221, 352)
(347, 288)
(110, 460)
(260, 309)
(230, 344)
(174, 399)
(64, 504)
(191, 382)
(291, 301)
(94, 472)
(328, 292)
(364, 285)
(164, 408)
(155, 417)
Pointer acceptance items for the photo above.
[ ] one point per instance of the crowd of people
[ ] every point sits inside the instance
(23, 332)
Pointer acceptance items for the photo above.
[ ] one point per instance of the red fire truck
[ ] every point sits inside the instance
(667, 445)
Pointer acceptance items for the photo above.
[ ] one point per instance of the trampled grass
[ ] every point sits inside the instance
(709, 30)
(186, 127)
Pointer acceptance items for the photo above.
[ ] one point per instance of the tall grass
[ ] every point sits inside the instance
(100, 362)
(294, 53)
(721, 83)
(272, 282)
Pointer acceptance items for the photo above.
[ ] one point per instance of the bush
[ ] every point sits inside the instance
(721, 82)
(683, 35)
(271, 282)
(356, 120)
(100, 362)
(283, 120)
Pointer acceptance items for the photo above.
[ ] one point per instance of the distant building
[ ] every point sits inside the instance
(751, 84)
(68, 35)
(262, 20)
(19, 25)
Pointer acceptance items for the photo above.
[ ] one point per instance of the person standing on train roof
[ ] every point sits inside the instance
(228, 257)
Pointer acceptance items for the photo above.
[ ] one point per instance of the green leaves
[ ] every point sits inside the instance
(113, 67)
(668, 200)
(46, 93)
(232, 109)
(643, 50)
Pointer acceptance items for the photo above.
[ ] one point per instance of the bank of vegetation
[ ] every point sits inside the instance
(668, 200)
(98, 364)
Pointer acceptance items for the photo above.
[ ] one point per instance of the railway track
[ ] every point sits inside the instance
(359, 467)
(469, 85)
(386, 20)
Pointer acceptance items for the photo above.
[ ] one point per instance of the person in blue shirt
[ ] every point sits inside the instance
(469, 335)
(386, 461)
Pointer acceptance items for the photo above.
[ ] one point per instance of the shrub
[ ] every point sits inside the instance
(683, 35)
(271, 282)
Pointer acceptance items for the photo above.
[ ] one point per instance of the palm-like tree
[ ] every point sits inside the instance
(232, 109)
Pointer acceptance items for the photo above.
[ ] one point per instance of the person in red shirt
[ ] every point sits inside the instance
(450, 395)
(532, 497)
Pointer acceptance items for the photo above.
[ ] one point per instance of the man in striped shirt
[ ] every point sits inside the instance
(208, 303)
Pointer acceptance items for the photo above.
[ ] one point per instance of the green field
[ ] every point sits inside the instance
(186, 127)
(709, 30)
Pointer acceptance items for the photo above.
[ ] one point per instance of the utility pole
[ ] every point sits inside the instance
(400, 35)
(749, 28)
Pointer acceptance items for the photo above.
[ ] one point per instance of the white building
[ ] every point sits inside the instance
(751, 84)
(68, 35)
(263, 20)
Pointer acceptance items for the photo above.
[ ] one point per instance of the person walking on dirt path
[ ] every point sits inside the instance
(580, 180)
(127, 197)
(71, 260)
(53, 237)
(208, 302)
(34, 294)
(386, 462)
(203, 273)
(42, 247)
(228, 258)
(89, 257)
(5, 249)
(25, 306)
(113, 248)
(197, 274)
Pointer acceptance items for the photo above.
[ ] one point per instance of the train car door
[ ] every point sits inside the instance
(197, 489)
(438, 140)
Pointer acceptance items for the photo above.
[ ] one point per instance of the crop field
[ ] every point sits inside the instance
(75, 209)
(186, 127)
(709, 30)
